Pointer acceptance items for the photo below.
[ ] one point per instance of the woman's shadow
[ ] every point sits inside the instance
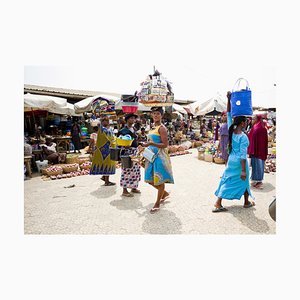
(104, 191)
(126, 203)
(267, 187)
(248, 218)
(161, 222)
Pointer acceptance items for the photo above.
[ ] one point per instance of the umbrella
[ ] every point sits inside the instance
(49, 103)
(202, 108)
(85, 105)
(52, 104)
(179, 108)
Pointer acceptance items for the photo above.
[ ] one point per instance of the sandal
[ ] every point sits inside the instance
(259, 186)
(136, 191)
(109, 184)
(154, 209)
(127, 195)
(219, 209)
(249, 205)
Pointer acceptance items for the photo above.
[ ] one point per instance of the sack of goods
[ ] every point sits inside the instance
(241, 99)
(156, 90)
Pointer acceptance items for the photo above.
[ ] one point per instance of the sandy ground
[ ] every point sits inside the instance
(91, 208)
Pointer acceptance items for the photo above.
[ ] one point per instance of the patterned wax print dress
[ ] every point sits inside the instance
(160, 171)
(130, 177)
(231, 185)
(102, 164)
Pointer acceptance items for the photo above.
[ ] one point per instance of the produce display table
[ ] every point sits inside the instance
(62, 143)
(27, 162)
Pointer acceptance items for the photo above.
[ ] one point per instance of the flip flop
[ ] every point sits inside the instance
(127, 195)
(154, 209)
(109, 184)
(249, 205)
(219, 209)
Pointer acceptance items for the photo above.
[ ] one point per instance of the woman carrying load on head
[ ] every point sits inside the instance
(130, 177)
(101, 163)
(235, 180)
(158, 172)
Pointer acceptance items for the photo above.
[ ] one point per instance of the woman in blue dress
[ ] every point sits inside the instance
(158, 172)
(235, 180)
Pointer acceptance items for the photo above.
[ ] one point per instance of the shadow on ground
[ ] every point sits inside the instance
(268, 187)
(161, 222)
(126, 203)
(249, 219)
(104, 192)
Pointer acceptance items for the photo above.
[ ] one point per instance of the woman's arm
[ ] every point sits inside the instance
(243, 149)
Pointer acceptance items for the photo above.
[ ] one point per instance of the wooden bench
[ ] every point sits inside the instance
(27, 162)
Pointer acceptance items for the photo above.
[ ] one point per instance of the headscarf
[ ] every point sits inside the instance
(258, 138)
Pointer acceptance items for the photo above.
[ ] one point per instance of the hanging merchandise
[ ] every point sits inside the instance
(241, 100)
(156, 91)
(102, 106)
(130, 103)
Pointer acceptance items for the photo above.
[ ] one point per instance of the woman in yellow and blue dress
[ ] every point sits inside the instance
(102, 164)
(158, 172)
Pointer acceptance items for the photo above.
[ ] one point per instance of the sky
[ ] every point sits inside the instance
(201, 47)
(190, 80)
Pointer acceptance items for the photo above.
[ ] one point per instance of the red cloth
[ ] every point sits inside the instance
(258, 138)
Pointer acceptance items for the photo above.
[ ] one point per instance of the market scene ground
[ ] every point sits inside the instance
(82, 205)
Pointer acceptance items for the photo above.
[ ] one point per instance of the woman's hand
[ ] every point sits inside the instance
(147, 144)
(243, 175)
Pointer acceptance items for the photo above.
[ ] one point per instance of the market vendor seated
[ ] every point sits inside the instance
(50, 153)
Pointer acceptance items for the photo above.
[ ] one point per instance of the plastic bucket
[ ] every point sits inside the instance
(115, 153)
(41, 164)
(129, 109)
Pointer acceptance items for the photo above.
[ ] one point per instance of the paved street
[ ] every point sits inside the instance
(91, 208)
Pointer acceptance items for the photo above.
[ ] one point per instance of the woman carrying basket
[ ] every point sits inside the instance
(235, 180)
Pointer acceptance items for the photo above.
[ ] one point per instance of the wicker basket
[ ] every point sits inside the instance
(86, 167)
(201, 154)
(70, 168)
(208, 157)
(72, 159)
(54, 173)
(82, 160)
(219, 160)
(43, 171)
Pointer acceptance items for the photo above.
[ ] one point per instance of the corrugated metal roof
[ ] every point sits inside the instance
(71, 92)
(76, 94)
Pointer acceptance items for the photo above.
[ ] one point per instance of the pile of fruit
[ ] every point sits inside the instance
(71, 174)
(86, 165)
(178, 150)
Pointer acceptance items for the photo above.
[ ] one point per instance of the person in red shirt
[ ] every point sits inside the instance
(258, 150)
